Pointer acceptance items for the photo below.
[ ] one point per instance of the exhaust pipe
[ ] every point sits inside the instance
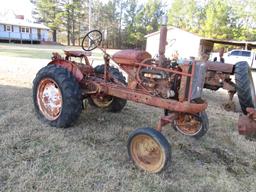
(162, 42)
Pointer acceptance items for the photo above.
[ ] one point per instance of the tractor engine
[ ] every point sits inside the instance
(160, 83)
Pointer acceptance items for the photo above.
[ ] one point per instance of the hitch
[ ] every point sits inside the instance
(247, 124)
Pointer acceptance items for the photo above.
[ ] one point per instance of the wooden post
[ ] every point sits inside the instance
(246, 46)
(30, 34)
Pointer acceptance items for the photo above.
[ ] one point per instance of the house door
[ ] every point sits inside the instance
(39, 34)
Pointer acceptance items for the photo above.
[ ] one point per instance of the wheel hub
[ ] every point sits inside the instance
(147, 153)
(49, 99)
(188, 124)
(102, 101)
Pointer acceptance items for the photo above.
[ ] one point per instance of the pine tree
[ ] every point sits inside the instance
(49, 12)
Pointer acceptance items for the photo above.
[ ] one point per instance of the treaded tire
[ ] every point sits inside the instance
(205, 125)
(117, 104)
(203, 129)
(146, 162)
(70, 95)
(244, 86)
(114, 71)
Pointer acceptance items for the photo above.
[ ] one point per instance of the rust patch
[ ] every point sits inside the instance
(71, 67)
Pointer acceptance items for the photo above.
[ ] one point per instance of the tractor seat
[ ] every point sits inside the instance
(77, 53)
(130, 56)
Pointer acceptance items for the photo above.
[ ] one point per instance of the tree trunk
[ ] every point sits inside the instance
(120, 26)
(68, 27)
(54, 35)
(79, 31)
(73, 27)
(73, 31)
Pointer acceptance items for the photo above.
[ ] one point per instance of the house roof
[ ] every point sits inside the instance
(21, 22)
(170, 28)
(232, 42)
(219, 41)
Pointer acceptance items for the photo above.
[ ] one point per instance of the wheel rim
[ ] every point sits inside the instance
(49, 99)
(147, 153)
(188, 124)
(102, 101)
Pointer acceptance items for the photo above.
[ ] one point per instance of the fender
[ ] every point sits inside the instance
(71, 67)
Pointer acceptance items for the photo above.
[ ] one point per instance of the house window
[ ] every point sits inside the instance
(8, 28)
(25, 29)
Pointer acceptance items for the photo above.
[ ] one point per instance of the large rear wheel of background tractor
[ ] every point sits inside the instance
(110, 103)
(245, 86)
(56, 96)
(192, 125)
(149, 149)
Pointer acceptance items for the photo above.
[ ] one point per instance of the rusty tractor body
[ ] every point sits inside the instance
(60, 88)
(218, 76)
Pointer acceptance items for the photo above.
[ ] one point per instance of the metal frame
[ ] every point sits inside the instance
(90, 84)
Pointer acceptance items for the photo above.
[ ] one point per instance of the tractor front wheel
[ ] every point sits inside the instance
(192, 125)
(56, 96)
(149, 149)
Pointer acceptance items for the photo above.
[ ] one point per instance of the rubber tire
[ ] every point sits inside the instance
(205, 126)
(117, 104)
(243, 79)
(71, 95)
(114, 71)
(158, 137)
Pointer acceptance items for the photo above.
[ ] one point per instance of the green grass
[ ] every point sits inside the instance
(38, 54)
(38, 51)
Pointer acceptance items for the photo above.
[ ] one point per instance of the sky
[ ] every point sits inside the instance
(24, 7)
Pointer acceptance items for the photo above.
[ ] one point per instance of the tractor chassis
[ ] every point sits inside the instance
(91, 85)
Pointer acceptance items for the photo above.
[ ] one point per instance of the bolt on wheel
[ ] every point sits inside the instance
(49, 98)
(148, 149)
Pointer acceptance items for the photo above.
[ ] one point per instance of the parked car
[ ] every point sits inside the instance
(237, 55)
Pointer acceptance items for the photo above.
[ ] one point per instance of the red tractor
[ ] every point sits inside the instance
(60, 88)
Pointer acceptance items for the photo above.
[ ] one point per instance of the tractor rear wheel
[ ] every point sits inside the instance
(244, 86)
(56, 96)
(149, 149)
(109, 103)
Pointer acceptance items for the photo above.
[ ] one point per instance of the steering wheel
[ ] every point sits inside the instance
(91, 40)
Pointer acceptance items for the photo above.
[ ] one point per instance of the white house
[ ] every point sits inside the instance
(188, 44)
(16, 28)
